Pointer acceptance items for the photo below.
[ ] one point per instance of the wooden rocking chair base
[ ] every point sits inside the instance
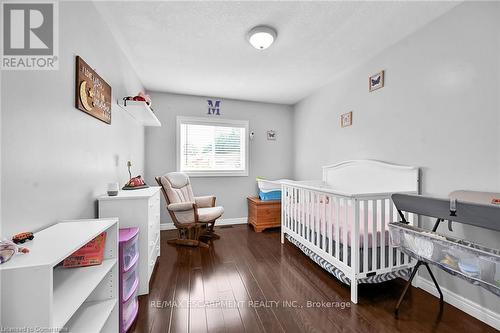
(188, 242)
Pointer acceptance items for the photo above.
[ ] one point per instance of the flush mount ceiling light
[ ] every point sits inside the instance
(261, 37)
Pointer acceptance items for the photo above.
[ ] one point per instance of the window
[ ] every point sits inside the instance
(212, 147)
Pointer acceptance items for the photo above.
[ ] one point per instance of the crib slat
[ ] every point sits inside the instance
(330, 227)
(309, 215)
(323, 224)
(316, 220)
(337, 233)
(301, 211)
(354, 262)
(365, 236)
(382, 233)
(286, 203)
(374, 234)
(344, 231)
(391, 249)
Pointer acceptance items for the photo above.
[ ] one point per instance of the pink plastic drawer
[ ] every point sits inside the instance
(130, 309)
(130, 252)
(130, 280)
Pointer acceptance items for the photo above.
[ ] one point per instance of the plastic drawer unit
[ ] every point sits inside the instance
(129, 277)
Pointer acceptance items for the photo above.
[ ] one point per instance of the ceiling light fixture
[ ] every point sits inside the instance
(261, 37)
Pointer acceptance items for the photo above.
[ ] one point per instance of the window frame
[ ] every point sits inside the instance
(212, 122)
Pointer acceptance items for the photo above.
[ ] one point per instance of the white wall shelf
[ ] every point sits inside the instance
(38, 292)
(141, 112)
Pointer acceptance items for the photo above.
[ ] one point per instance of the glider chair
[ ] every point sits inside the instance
(194, 217)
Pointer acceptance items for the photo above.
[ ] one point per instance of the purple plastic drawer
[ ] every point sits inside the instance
(129, 278)
(130, 281)
(130, 309)
(129, 238)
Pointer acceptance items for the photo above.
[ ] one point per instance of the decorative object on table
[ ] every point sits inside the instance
(134, 183)
(22, 237)
(8, 249)
(376, 81)
(213, 107)
(113, 189)
(346, 119)
(90, 254)
(271, 135)
(93, 94)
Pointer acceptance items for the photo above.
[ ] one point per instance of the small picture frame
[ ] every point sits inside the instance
(376, 81)
(346, 119)
(271, 135)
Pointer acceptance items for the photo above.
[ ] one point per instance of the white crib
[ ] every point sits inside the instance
(341, 222)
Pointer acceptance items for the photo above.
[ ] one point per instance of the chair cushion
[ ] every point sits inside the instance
(177, 179)
(210, 213)
(176, 193)
(203, 202)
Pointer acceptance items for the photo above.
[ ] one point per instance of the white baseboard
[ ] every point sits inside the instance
(236, 220)
(475, 310)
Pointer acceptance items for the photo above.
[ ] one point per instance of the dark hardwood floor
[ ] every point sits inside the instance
(249, 282)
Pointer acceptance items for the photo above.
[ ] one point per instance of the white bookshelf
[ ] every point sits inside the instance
(141, 112)
(39, 293)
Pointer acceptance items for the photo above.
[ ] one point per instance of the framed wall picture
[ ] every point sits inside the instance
(346, 119)
(271, 135)
(93, 94)
(376, 81)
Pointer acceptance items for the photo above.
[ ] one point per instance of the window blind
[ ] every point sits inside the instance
(212, 148)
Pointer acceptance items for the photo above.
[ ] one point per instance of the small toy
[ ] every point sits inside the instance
(8, 249)
(22, 237)
(141, 97)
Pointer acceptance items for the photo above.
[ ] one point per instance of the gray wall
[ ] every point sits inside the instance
(270, 159)
(55, 158)
(439, 110)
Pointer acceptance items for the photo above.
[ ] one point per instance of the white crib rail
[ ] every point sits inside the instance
(351, 233)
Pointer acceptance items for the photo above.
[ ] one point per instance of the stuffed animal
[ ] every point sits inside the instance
(8, 249)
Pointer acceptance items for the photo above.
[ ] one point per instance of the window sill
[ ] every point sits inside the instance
(216, 174)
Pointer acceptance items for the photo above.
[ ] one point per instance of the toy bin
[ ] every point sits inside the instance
(129, 277)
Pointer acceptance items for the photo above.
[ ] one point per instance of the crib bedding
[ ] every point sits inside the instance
(341, 276)
(378, 252)
(328, 218)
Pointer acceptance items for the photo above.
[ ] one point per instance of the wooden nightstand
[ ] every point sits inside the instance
(264, 214)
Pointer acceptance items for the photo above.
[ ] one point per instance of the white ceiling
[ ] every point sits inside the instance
(200, 48)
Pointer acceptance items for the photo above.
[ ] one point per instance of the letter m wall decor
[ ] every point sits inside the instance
(213, 107)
